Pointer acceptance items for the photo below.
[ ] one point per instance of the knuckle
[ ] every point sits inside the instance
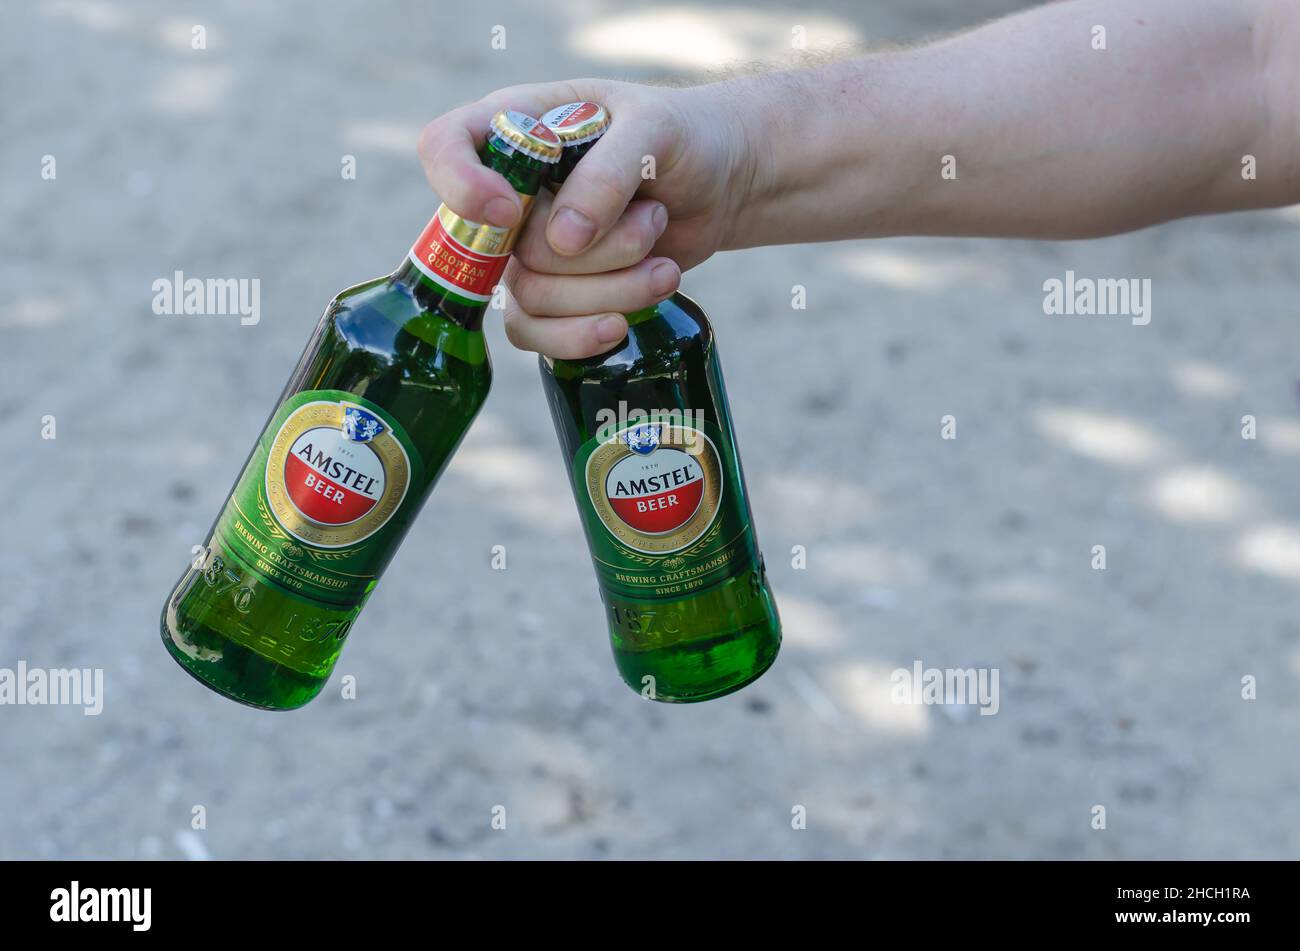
(605, 180)
(640, 239)
(427, 144)
(513, 333)
(531, 251)
(528, 288)
(628, 248)
(513, 322)
(606, 201)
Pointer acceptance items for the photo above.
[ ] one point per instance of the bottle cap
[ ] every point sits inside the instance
(525, 134)
(577, 122)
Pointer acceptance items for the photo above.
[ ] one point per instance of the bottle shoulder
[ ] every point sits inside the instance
(383, 318)
(687, 317)
(676, 332)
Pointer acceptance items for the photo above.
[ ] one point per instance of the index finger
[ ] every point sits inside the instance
(449, 152)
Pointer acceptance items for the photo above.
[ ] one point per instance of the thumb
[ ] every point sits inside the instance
(599, 188)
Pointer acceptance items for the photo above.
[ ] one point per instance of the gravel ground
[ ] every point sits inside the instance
(481, 688)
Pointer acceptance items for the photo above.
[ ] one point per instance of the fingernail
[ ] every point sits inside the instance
(611, 328)
(663, 278)
(501, 213)
(660, 219)
(571, 231)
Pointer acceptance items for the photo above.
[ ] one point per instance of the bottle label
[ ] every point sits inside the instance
(665, 509)
(466, 257)
(313, 511)
(567, 116)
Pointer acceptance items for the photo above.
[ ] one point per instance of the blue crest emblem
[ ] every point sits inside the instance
(642, 439)
(360, 425)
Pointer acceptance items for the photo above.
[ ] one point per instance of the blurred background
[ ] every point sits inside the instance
(478, 688)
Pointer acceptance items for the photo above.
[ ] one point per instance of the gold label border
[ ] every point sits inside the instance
(391, 453)
(614, 450)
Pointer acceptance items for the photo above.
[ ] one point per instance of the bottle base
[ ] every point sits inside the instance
(699, 672)
(236, 672)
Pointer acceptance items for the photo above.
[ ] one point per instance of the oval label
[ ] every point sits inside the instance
(656, 487)
(335, 474)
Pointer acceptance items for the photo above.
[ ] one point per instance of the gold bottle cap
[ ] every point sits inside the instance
(577, 122)
(527, 135)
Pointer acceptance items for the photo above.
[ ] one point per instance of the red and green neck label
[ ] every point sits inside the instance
(315, 511)
(465, 257)
(664, 508)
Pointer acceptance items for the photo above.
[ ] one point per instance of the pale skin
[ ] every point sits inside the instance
(1051, 139)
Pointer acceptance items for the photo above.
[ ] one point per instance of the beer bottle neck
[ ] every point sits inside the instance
(454, 266)
(433, 296)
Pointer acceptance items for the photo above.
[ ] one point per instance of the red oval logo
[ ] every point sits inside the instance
(658, 493)
(331, 479)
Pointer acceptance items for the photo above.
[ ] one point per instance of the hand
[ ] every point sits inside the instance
(594, 251)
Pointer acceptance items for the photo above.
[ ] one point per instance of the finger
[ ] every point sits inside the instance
(625, 244)
(560, 295)
(599, 188)
(449, 153)
(687, 241)
(565, 338)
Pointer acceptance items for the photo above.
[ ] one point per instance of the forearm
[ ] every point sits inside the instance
(1022, 128)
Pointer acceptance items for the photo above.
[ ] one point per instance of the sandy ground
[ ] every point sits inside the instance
(480, 688)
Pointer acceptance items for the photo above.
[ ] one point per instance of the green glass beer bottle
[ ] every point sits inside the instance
(381, 397)
(651, 454)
